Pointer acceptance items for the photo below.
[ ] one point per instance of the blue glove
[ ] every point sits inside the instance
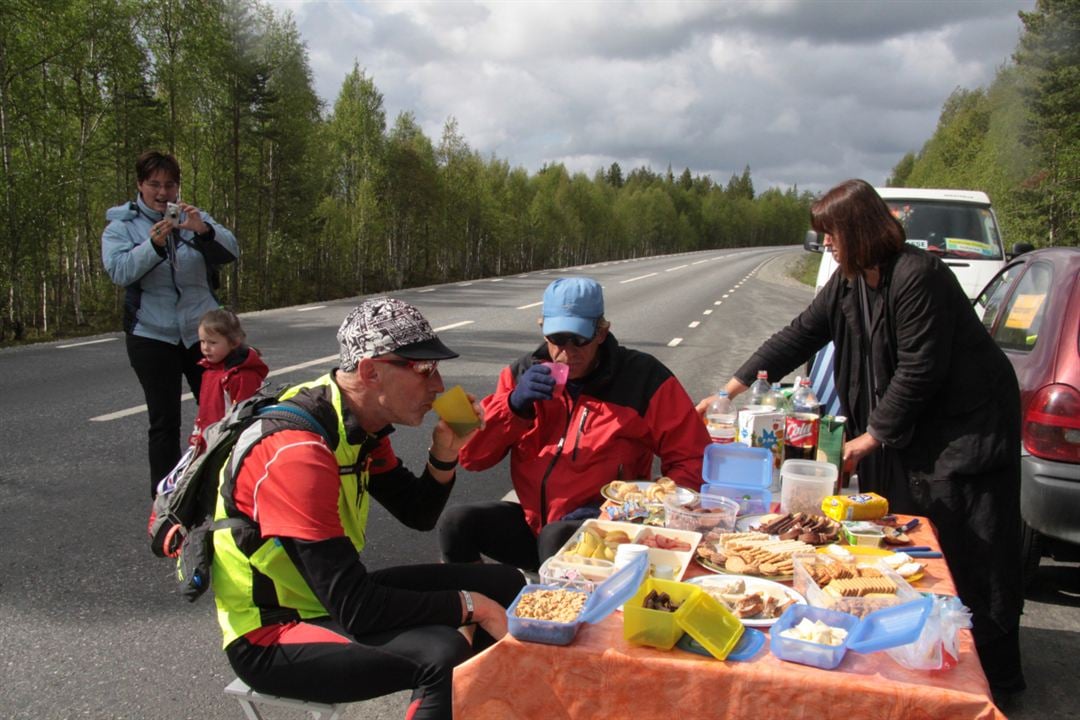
(534, 385)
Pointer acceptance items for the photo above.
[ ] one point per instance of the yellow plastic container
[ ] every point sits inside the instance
(711, 624)
(655, 628)
(699, 614)
(864, 506)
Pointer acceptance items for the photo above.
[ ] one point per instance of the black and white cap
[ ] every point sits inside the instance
(385, 325)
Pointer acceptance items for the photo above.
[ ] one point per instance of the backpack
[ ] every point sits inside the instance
(182, 522)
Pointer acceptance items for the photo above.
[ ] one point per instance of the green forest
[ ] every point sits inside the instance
(1018, 139)
(337, 200)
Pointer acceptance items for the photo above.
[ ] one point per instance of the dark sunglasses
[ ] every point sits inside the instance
(426, 368)
(564, 339)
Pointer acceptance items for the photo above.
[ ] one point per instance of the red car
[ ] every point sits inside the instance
(1032, 308)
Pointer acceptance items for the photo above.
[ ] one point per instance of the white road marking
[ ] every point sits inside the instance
(426, 290)
(677, 267)
(313, 307)
(635, 279)
(701, 261)
(451, 326)
(725, 296)
(719, 301)
(526, 307)
(674, 342)
(280, 371)
(464, 284)
(693, 324)
(496, 280)
(707, 312)
(88, 342)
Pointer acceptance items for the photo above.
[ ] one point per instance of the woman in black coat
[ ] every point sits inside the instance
(933, 405)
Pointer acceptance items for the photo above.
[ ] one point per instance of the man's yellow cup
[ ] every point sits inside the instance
(454, 407)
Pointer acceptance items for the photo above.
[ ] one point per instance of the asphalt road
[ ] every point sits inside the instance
(90, 625)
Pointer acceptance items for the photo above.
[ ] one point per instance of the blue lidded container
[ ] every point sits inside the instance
(880, 630)
(609, 595)
(739, 472)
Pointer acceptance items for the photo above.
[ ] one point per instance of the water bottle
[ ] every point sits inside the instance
(774, 398)
(803, 424)
(760, 388)
(720, 419)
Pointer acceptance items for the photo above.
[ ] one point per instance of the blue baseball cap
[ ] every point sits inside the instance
(573, 305)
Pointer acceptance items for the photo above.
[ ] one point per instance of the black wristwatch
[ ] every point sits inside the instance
(441, 464)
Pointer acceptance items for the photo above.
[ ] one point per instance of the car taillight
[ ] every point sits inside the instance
(1052, 424)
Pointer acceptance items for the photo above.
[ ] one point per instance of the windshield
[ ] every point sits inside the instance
(949, 230)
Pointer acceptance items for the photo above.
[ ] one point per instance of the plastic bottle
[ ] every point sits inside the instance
(760, 388)
(774, 398)
(803, 424)
(720, 419)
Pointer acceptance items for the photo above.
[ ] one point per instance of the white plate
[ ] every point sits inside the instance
(682, 495)
(743, 522)
(753, 584)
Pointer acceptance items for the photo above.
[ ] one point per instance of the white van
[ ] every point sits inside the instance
(956, 225)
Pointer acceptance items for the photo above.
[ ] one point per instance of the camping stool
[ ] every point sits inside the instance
(248, 699)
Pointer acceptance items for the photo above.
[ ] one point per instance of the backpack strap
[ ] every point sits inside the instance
(299, 415)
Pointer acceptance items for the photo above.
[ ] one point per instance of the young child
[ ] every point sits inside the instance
(233, 371)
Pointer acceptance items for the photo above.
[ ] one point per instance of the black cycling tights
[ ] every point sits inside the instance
(318, 660)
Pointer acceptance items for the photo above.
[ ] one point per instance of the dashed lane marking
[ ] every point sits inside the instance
(693, 324)
(313, 307)
(674, 342)
(635, 279)
(87, 342)
(530, 305)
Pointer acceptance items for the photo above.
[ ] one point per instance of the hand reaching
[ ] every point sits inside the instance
(534, 385)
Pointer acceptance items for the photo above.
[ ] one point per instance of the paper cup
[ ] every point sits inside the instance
(454, 407)
(559, 371)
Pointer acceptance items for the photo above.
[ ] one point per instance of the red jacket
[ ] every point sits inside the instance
(630, 408)
(236, 378)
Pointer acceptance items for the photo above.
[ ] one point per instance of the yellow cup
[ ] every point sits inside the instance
(454, 407)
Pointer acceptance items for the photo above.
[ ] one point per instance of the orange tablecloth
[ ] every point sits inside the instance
(600, 675)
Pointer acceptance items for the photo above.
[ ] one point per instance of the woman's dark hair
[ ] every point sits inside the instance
(861, 223)
(225, 323)
(153, 161)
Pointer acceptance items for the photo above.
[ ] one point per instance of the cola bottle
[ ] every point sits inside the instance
(802, 424)
(720, 419)
(760, 388)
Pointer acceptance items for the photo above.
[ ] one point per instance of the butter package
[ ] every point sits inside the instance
(864, 506)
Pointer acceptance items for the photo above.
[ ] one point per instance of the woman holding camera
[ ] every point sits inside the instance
(164, 254)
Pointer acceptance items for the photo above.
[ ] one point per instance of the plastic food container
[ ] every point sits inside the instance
(804, 583)
(804, 484)
(664, 561)
(699, 614)
(880, 630)
(608, 596)
(741, 473)
(862, 533)
(714, 512)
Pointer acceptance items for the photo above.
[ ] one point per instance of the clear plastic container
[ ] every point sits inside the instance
(804, 484)
(803, 582)
(714, 512)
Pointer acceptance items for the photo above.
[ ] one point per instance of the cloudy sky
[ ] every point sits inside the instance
(806, 92)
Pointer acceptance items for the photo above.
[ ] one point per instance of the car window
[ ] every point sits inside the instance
(989, 302)
(949, 230)
(1019, 328)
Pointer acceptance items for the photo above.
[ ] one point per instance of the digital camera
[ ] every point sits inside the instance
(172, 213)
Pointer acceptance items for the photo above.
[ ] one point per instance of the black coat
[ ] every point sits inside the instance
(946, 408)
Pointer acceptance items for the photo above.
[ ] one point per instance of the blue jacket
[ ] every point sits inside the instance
(163, 302)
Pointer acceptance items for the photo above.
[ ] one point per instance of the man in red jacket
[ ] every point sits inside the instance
(619, 408)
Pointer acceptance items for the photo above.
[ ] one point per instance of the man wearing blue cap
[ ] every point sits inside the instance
(618, 410)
